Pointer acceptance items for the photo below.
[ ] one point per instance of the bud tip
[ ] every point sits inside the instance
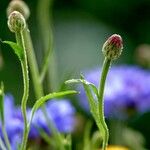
(112, 48)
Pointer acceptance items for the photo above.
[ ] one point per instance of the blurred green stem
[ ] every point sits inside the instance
(2, 116)
(5, 136)
(87, 131)
(24, 65)
(45, 26)
(2, 146)
(104, 130)
(34, 68)
(68, 142)
(36, 78)
(33, 64)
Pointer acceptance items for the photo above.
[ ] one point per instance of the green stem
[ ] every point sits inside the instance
(105, 132)
(87, 131)
(5, 137)
(38, 88)
(4, 132)
(24, 65)
(32, 64)
(45, 65)
(45, 26)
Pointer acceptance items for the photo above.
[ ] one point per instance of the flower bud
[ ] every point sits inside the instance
(112, 48)
(20, 6)
(16, 22)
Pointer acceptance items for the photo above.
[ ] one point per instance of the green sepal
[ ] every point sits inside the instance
(16, 48)
(2, 102)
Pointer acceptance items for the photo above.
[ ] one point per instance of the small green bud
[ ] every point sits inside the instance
(16, 22)
(20, 6)
(112, 48)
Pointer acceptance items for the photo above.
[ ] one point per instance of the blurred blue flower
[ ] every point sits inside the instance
(127, 90)
(13, 121)
(61, 112)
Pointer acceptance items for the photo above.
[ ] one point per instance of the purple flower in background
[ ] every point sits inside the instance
(127, 89)
(61, 112)
(13, 121)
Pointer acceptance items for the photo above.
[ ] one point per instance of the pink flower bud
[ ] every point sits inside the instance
(112, 48)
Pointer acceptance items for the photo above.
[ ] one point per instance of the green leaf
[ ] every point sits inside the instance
(87, 87)
(82, 80)
(17, 48)
(43, 99)
(2, 102)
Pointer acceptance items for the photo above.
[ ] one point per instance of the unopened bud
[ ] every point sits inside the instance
(16, 22)
(20, 6)
(112, 48)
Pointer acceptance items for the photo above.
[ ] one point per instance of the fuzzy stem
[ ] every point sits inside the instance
(105, 132)
(36, 76)
(24, 65)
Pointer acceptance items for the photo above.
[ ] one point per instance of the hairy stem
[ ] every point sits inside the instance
(24, 66)
(38, 88)
(105, 132)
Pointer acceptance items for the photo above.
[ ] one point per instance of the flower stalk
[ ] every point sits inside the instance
(33, 66)
(105, 132)
(24, 67)
(17, 24)
(112, 49)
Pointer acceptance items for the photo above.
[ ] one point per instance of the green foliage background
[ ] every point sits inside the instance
(80, 27)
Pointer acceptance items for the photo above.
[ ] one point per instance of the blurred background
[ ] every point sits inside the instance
(80, 27)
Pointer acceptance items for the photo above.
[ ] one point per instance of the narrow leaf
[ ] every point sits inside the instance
(87, 87)
(43, 99)
(92, 101)
(16, 48)
(82, 80)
